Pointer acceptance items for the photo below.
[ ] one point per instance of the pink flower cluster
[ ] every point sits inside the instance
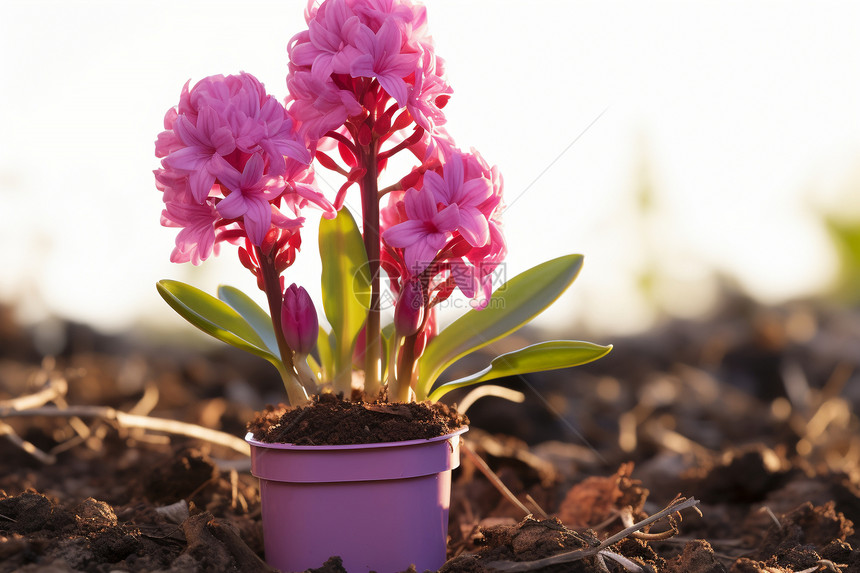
(355, 58)
(230, 158)
(364, 78)
(447, 229)
(352, 45)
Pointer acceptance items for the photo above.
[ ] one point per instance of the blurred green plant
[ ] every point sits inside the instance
(844, 232)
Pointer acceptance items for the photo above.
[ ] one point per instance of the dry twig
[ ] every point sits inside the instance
(56, 387)
(54, 391)
(126, 420)
(824, 565)
(9, 432)
(626, 563)
(626, 515)
(489, 390)
(512, 566)
(494, 479)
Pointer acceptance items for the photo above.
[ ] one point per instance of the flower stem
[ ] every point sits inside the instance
(272, 287)
(405, 368)
(370, 226)
(393, 187)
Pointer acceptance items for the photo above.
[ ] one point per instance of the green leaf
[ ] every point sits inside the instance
(550, 355)
(345, 287)
(258, 318)
(314, 366)
(324, 347)
(387, 347)
(512, 305)
(215, 317)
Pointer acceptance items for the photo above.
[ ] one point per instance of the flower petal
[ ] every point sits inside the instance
(233, 206)
(258, 219)
(420, 204)
(405, 234)
(434, 183)
(201, 182)
(187, 158)
(453, 170)
(395, 87)
(253, 172)
(474, 227)
(448, 219)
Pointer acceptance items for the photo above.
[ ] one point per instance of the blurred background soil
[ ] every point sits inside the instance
(752, 411)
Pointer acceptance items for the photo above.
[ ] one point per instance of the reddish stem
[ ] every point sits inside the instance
(405, 367)
(344, 140)
(370, 226)
(272, 287)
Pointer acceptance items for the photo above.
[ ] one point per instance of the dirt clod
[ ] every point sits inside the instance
(332, 565)
(94, 514)
(181, 477)
(528, 540)
(697, 557)
(810, 528)
(594, 499)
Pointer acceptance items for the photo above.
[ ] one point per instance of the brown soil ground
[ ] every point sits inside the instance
(753, 413)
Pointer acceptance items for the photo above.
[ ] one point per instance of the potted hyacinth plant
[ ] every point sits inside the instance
(239, 167)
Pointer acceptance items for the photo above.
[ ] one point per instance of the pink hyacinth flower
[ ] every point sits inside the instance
(167, 141)
(326, 46)
(381, 58)
(318, 104)
(429, 85)
(250, 193)
(205, 142)
(426, 231)
(471, 198)
(197, 239)
(378, 11)
(268, 128)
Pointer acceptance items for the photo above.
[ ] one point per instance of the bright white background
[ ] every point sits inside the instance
(746, 115)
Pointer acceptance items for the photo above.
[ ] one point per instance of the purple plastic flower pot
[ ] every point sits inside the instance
(380, 507)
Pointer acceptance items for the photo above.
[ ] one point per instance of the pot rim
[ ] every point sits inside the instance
(285, 446)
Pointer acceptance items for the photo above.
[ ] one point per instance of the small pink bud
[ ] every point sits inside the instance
(409, 310)
(299, 320)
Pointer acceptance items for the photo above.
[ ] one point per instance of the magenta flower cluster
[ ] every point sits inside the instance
(348, 41)
(230, 155)
(364, 84)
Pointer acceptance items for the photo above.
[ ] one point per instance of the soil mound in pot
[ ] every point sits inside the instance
(332, 420)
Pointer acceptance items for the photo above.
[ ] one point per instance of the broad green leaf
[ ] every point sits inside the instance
(550, 355)
(387, 334)
(215, 317)
(258, 318)
(512, 305)
(345, 287)
(315, 367)
(324, 347)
